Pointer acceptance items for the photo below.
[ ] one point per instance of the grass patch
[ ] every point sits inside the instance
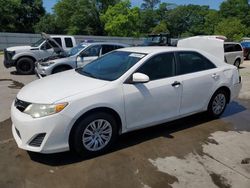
(1, 52)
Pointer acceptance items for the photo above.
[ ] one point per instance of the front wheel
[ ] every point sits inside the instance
(25, 66)
(217, 104)
(94, 134)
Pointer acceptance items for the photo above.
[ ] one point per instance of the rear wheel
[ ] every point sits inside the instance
(237, 63)
(217, 104)
(94, 134)
(248, 56)
(25, 66)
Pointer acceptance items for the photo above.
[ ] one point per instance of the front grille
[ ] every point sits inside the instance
(37, 141)
(21, 105)
(7, 55)
(18, 133)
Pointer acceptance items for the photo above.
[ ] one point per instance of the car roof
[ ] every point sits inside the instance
(154, 49)
(231, 43)
(103, 43)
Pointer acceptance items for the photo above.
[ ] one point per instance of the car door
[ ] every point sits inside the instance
(89, 54)
(157, 100)
(198, 77)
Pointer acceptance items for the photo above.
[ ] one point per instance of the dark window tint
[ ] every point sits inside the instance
(159, 66)
(107, 48)
(92, 51)
(192, 62)
(232, 47)
(50, 44)
(228, 47)
(68, 42)
(238, 47)
(58, 40)
(117, 47)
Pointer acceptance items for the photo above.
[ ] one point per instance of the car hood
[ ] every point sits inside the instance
(54, 57)
(19, 48)
(58, 86)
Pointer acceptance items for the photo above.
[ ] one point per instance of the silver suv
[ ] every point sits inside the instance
(78, 56)
(233, 53)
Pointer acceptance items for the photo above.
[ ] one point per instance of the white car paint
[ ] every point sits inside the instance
(138, 105)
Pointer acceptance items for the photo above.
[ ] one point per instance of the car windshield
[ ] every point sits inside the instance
(111, 66)
(153, 39)
(76, 49)
(37, 43)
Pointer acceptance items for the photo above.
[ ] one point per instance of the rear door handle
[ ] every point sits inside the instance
(176, 84)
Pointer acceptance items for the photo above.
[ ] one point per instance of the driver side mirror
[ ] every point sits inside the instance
(140, 78)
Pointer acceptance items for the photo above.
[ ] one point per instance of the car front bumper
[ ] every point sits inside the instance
(42, 71)
(44, 135)
(8, 62)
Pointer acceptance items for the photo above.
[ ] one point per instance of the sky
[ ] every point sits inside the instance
(214, 4)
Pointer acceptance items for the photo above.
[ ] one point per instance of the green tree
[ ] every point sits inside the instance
(160, 28)
(29, 13)
(48, 24)
(78, 17)
(232, 28)
(104, 4)
(121, 20)
(149, 4)
(187, 19)
(20, 15)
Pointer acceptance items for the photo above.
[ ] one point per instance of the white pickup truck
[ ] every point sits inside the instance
(24, 57)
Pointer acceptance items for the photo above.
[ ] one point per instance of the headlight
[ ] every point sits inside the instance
(41, 110)
(12, 53)
(47, 63)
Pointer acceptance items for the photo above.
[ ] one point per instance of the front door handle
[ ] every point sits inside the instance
(176, 84)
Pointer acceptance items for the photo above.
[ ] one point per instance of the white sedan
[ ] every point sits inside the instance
(128, 89)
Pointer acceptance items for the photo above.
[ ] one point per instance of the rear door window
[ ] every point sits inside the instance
(238, 47)
(228, 47)
(190, 62)
(107, 48)
(68, 42)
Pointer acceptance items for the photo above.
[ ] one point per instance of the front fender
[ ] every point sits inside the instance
(24, 54)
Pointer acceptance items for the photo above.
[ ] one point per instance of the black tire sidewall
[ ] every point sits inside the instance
(210, 108)
(77, 144)
(25, 60)
(237, 61)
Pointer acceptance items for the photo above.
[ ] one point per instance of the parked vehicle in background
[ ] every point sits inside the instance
(78, 56)
(245, 43)
(131, 88)
(233, 53)
(230, 52)
(24, 57)
(161, 39)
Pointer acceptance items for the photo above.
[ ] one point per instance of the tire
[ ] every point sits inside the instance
(25, 66)
(85, 129)
(237, 63)
(248, 56)
(60, 69)
(217, 104)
